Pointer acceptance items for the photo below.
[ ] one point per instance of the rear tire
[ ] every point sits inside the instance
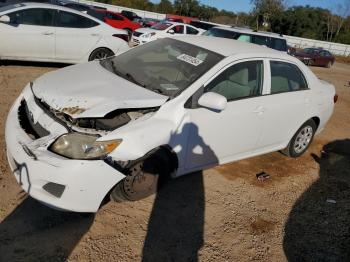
(100, 53)
(143, 179)
(301, 141)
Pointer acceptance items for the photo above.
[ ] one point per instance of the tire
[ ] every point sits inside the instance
(329, 64)
(100, 53)
(310, 62)
(144, 178)
(301, 141)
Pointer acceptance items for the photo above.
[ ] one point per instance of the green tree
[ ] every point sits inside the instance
(165, 7)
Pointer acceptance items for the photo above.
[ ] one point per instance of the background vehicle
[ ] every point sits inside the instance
(170, 107)
(132, 16)
(43, 32)
(148, 22)
(161, 30)
(316, 57)
(204, 24)
(272, 40)
(115, 20)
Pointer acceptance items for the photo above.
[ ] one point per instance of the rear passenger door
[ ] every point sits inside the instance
(76, 36)
(286, 104)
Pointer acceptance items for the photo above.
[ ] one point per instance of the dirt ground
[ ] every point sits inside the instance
(302, 213)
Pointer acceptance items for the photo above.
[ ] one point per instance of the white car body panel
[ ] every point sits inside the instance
(100, 94)
(244, 129)
(136, 40)
(56, 44)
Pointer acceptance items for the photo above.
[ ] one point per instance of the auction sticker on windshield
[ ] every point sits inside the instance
(190, 59)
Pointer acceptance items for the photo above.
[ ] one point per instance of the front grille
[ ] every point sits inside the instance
(137, 34)
(34, 130)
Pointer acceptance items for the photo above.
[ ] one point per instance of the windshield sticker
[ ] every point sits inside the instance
(169, 87)
(190, 59)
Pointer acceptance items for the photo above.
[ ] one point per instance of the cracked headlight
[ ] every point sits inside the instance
(79, 146)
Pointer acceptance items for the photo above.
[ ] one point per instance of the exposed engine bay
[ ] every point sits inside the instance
(109, 122)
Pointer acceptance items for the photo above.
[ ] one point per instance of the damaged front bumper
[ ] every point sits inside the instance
(73, 185)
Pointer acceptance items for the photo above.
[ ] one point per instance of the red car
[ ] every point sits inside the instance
(316, 57)
(114, 19)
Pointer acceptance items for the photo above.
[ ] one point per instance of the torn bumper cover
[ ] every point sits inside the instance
(74, 185)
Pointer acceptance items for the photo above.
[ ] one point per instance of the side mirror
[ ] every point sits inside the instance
(4, 19)
(171, 31)
(213, 101)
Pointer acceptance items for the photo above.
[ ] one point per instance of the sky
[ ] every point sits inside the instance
(245, 6)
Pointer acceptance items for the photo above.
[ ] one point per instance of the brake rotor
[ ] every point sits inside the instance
(139, 184)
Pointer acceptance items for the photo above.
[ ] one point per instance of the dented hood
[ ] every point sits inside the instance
(89, 90)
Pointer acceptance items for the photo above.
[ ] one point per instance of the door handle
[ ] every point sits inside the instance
(47, 33)
(259, 110)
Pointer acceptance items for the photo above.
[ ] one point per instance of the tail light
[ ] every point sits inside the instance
(122, 36)
(335, 98)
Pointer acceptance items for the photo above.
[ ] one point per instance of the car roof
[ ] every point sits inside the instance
(50, 6)
(227, 47)
(44, 5)
(250, 31)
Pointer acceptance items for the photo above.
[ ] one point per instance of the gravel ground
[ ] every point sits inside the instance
(301, 213)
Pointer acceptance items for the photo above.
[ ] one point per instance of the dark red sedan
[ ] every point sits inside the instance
(115, 20)
(316, 57)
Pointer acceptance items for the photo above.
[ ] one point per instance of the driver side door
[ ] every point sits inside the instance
(220, 137)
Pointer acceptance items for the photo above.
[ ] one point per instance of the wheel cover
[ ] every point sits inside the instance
(303, 139)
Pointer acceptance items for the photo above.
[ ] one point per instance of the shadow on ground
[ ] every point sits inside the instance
(318, 225)
(176, 224)
(33, 232)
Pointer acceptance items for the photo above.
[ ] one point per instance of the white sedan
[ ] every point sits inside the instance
(43, 32)
(161, 30)
(171, 107)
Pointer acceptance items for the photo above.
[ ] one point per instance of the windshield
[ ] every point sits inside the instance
(166, 66)
(161, 26)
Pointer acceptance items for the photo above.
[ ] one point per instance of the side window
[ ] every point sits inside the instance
(244, 38)
(178, 29)
(261, 40)
(286, 77)
(70, 20)
(279, 44)
(34, 16)
(239, 81)
(191, 30)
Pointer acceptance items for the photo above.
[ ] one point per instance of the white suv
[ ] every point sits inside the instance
(272, 40)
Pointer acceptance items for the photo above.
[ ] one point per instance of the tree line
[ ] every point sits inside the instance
(270, 15)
